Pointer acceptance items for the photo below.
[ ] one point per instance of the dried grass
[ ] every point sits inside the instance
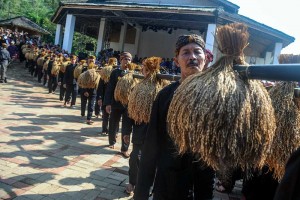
(106, 72)
(141, 98)
(78, 71)
(124, 87)
(228, 121)
(55, 68)
(287, 135)
(89, 79)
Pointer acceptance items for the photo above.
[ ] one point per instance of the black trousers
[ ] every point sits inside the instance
(62, 92)
(126, 129)
(52, 83)
(40, 74)
(134, 161)
(71, 89)
(97, 107)
(90, 101)
(105, 118)
(45, 77)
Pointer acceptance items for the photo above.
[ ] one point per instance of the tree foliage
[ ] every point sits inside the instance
(40, 12)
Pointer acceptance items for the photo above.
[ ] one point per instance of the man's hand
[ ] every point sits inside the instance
(64, 85)
(126, 139)
(108, 109)
(86, 94)
(100, 102)
(59, 83)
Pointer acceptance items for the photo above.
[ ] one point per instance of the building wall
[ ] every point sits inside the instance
(159, 43)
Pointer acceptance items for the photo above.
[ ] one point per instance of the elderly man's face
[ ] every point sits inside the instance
(190, 59)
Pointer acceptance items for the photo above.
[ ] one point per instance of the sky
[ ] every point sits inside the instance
(281, 15)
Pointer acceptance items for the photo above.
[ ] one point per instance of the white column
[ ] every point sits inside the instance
(277, 50)
(268, 58)
(101, 35)
(210, 37)
(58, 34)
(69, 32)
(122, 36)
(210, 40)
(138, 31)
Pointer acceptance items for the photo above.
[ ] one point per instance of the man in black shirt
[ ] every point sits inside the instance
(116, 109)
(175, 177)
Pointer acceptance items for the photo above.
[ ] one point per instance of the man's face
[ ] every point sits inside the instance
(73, 60)
(125, 61)
(190, 59)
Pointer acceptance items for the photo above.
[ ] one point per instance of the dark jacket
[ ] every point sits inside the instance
(174, 176)
(61, 76)
(50, 65)
(109, 93)
(159, 163)
(69, 75)
(288, 188)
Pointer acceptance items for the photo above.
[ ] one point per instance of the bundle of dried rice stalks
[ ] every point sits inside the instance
(46, 62)
(78, 70)
(105, 73)
(287, 135)
(289, 58)
(141, 98)
(40, 61)
(64, 65)
(124, 87)
(55, 68)
(228, 121)
(89, 79)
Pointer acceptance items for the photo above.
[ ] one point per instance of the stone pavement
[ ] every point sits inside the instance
(49, 152)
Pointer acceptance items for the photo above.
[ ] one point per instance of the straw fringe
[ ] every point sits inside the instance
(89, 79)
(124, 87)
(141, 99)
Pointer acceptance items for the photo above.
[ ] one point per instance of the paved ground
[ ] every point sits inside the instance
(49, 152)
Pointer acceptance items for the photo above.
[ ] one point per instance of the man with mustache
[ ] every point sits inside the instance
(173, 176)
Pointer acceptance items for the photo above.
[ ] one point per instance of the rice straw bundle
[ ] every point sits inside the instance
(92, 65)
(289, 58)
(64, 65)
(40, 61)
(89, 79)
(78, 70)
(105, 73)
(228, 121)
(45, 65)
(124, 87)
(141, 98)
(287, 134)
(55, 68)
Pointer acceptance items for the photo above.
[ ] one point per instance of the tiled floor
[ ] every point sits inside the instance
(49, 152)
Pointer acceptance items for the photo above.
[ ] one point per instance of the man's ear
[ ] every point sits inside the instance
(176, 61)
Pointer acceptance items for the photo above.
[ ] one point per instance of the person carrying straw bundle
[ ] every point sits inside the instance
(225, 119)
(88, 81)
(116, 109)
(105, 74)
(140, 102)
(174, 176)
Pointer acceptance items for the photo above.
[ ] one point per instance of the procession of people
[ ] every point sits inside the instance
(160, 165)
